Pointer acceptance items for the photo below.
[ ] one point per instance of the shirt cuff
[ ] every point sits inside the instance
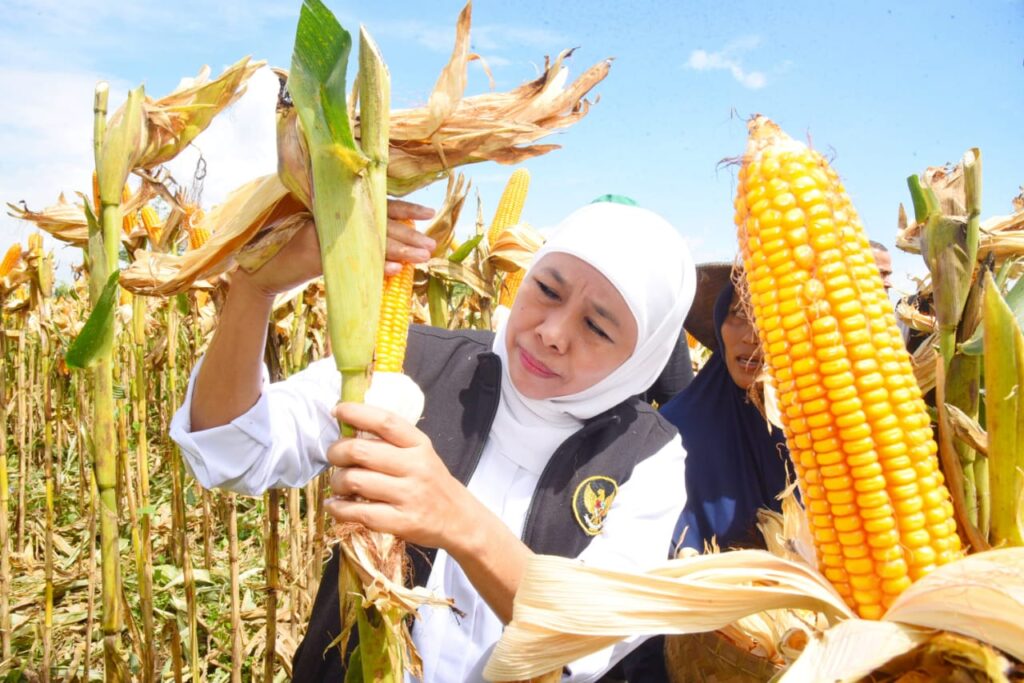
(247, 432)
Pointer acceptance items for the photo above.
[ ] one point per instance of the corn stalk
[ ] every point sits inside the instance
(115, 148)
(5, 528)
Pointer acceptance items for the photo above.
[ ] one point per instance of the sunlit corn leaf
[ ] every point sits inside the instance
(441, 227)
(63, 220)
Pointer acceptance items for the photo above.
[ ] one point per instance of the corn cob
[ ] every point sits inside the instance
(198, 233)
(859, 434)
(393, 326)
(509, 287)
(10, 259)
(35, 244)
(510, 206)
(151, 222)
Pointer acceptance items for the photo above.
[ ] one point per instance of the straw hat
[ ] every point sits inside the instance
(700, 321)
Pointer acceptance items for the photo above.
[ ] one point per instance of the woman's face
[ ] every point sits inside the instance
(569, 328)
(743, 356)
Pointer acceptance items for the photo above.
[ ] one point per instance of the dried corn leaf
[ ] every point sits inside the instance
(557, 619)
(442, 227)
(172, 122)
(63, 220)
(459, 272)
(232, 225)
(426, 143)
(967, 429)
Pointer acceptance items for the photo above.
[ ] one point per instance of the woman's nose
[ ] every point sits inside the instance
(553, 332)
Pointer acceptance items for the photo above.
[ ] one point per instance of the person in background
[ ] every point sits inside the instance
(737, 462)
(884, 261)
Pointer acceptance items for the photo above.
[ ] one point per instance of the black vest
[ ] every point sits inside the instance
(462, 382)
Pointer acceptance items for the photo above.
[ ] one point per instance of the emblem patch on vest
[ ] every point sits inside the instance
(591, 502)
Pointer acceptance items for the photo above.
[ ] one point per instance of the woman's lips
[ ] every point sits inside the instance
(534, 366)
(749, 363)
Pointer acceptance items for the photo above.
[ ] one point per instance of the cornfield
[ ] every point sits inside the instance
(114, 564)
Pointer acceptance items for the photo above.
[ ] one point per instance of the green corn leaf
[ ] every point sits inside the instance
(316, 82)
(97, 336)
(181, 301)
(1004, 414)
(465, 249)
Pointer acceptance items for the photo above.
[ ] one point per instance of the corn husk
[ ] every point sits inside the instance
(515, 247)
(66, 222)
(557, 618)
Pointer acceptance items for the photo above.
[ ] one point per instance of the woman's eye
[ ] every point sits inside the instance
(597, 330)
(547, 291)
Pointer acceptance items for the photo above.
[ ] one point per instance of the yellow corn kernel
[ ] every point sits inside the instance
(510, 206)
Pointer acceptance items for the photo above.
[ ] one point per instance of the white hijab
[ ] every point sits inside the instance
(647, 261)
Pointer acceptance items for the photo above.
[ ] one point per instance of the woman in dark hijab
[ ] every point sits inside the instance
(736, 461)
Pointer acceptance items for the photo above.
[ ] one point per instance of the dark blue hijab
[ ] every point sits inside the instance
(734, 465)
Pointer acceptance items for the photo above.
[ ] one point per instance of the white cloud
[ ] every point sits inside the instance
(728, 59)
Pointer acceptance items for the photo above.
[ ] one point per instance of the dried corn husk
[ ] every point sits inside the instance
(66, 221)
(514, 248)
(172, 122)
(557, 618)
(63, 220)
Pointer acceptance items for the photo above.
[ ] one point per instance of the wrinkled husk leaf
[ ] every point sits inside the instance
(514, 248)
(557, 618)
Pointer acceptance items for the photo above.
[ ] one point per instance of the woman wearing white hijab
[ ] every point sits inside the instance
(531, 441)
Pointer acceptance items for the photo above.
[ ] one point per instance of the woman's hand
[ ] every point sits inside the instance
(299, 260)
(397, 484)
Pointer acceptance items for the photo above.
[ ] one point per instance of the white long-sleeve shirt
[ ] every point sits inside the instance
(282, 440)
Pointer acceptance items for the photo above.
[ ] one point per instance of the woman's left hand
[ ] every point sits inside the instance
(396, 484)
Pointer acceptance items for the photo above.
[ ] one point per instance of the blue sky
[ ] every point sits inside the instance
(885, 89)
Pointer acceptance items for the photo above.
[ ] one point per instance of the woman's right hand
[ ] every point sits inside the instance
(299, 260)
